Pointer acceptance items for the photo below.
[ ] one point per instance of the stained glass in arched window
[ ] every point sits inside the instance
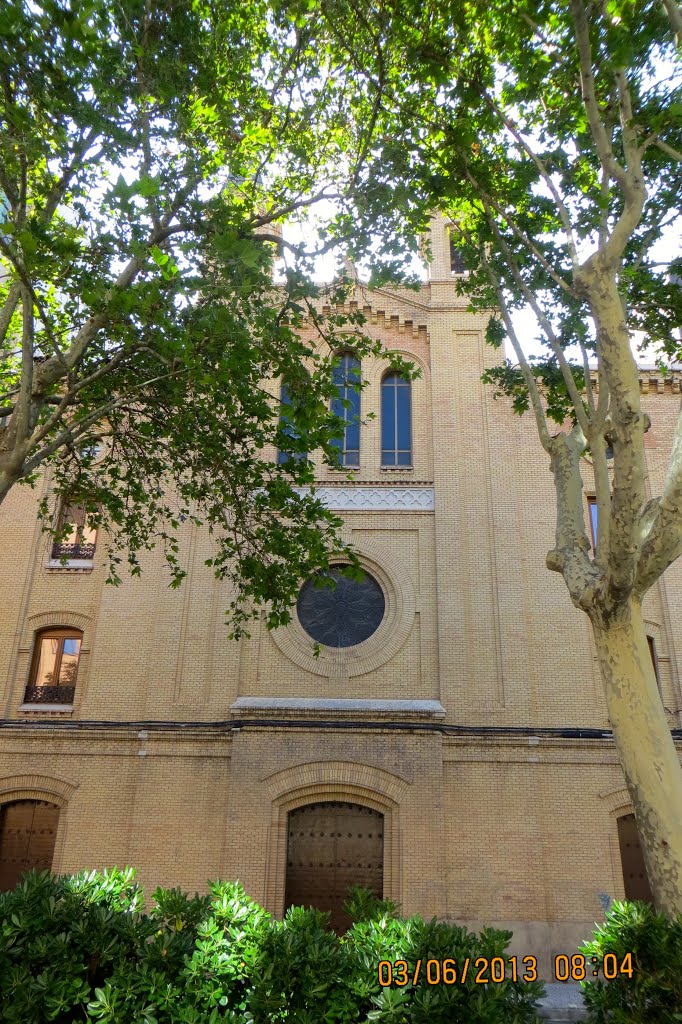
(347, 407)
(457, 264)
(287, 426)
(396, 421)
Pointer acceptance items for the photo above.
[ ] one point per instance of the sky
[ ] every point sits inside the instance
(666, 249)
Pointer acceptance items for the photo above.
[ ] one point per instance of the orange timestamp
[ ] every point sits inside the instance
(480, 970)
(584, 968)
(494, 970)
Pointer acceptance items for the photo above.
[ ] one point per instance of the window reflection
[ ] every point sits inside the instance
(79, 538)
(55, 666)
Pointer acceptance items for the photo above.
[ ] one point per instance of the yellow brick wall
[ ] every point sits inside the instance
(482, 827)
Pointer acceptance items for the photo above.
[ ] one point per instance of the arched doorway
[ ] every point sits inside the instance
(28, 830)
(635, 878)
(331, 846)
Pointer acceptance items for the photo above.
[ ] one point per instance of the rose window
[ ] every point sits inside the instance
(341, 615)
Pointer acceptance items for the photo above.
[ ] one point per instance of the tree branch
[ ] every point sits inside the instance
(546, 176)
(79, 428)
(9, 305)
(531, 383)
(601, 139)
(22, 412)
(570, 555)
(521, 235)
(676, 154)
(544, 322)
(627, 425)
(674, 13)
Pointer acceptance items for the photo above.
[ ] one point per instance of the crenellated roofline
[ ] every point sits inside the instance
(653, 381)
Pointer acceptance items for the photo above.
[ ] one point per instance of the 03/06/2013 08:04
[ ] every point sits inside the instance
(497, 969)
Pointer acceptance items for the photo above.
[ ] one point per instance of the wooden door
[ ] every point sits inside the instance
(635, 878)
(332, 846)
(28, 829)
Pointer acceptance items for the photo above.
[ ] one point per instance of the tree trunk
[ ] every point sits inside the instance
(646, 749)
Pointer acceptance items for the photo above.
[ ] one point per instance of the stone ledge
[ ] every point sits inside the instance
(71, 565)
(37, 708)
(411, 708)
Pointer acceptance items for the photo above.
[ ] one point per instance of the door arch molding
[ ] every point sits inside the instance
(28, 835)
(42, 787)
(36, 787)
(332, 791)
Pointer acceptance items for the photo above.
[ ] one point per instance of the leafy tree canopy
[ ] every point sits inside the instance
(148, 152)
(525, 123)
(550, 134)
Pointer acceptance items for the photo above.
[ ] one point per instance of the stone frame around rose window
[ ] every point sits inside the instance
(345, 662)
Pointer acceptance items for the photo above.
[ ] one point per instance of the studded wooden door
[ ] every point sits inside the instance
(635, 878)
(332, 846)
(28, 829)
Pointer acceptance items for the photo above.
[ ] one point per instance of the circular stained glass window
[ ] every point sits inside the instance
(344, 615)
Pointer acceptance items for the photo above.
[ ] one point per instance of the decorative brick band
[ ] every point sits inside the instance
(61, 617)
(652, 381)
(376, 499)
(342, 774)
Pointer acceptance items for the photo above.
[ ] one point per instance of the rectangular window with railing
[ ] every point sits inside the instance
(54, 667)
(77, 539)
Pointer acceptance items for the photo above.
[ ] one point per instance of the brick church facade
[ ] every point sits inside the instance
(457, 759)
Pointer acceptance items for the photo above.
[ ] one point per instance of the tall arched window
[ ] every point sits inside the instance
(287, 426)
(396, 421)
(457, 264)
(55, 666)
(347, 407)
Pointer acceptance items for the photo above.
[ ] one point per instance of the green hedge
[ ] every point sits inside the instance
(652, 994)
(81, 948)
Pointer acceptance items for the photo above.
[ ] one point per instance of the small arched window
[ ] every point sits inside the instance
(347, 407)
(396, 420)
(54, 667)
(286, 406)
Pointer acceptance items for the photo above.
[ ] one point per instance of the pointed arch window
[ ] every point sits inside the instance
(396, 420)
(347, 407)
(457, 264)
(287, 427)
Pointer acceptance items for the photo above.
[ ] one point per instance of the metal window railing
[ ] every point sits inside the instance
(49, 694)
